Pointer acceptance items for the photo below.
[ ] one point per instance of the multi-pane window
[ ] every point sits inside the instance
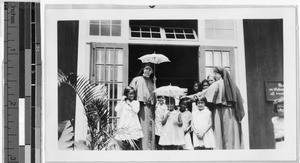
(167, 33)
(105, 27)
(216, 58)
(108, 69)
(220, 29)
(180, 33)
(145, 32)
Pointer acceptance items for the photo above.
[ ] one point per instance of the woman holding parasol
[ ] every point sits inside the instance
(144, 86)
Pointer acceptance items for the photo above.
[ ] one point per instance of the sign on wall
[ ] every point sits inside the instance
(274, 90)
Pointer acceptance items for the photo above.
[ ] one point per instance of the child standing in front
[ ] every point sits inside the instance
(128, 124)
(172, 135)
(160, 110)
(186, 117)
(203, 136)
(278, 123)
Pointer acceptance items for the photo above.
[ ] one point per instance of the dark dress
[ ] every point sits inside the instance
(144, 88)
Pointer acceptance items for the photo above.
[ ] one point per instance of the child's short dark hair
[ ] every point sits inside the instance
(201, 98)
(183, 101)
(127, 90)
(276, 103)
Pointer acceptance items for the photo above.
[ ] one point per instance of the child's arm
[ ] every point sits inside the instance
(165, 118)
(195, 131)
(180, 123)
(187, 130)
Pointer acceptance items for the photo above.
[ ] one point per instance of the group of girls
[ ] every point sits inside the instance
(182, 129)
(174, 128)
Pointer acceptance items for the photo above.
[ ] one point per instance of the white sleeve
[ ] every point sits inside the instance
(118, 107)
(136, 106)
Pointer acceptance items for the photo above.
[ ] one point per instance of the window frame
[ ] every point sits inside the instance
(93, 52)
(163, 34)
(202, 60)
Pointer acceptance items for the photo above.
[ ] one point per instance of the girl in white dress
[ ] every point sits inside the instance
(172, 135)
(186, 117)
(278, 123)
(203, 136)
(128, 124)
(160, 110)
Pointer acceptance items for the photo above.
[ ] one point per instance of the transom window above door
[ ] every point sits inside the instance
(183, 30)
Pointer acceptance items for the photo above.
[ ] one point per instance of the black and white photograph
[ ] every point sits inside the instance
(169, 82)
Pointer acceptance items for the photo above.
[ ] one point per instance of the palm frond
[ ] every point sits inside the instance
(66, 139)
(94, 99)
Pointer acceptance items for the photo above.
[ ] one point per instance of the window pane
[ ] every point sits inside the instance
(170, 35)
(116, 30)
(178, 30)
(180, 36)
(228, 24)
(155, 35)
(119, 90)
(112, 104)
(146, 29)
(169, 30)
(209, 33)
(135, 28)
(105, 30)
(105, 22)
(229, 34)
(220, 34)
(217, 58)
(115, 96)
(188, 31)
(155, 29)
(146, 35)
(100, 56)
(119, 56)
(100, 73)
(116, 22)
(190, 36)
(119, 73)
(219, 24)
(109, 73)
(209, 24)
(135, 34)
(94, 27)
(208, 58)
(109, 90)
(208, 71)
(225, 58)
(109, 56)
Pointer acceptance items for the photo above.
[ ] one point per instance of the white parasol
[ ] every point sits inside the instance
(170, 91)
(154, 58)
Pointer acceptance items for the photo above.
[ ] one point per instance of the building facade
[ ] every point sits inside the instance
(104, 44)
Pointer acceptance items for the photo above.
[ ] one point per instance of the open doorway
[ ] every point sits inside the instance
(182, 71)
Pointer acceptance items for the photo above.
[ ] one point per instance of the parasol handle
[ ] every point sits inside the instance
(154, 75)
